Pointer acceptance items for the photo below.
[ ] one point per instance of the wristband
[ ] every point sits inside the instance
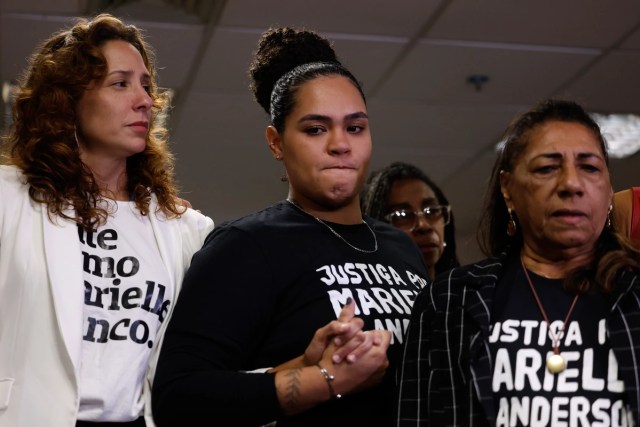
(329, 379)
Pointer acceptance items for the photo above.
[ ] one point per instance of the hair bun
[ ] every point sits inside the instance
(281, 50)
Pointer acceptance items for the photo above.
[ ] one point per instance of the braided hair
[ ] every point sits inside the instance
(375, 195)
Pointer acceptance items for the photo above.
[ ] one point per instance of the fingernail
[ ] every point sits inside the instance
(348, 301)
(335, 358)
(351, 358)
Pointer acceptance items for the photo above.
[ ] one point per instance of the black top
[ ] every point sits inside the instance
(447, 373)
(253, 298)
(590, 389)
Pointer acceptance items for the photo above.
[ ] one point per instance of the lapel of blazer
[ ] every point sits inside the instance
(623, 319)
(478, 303)
(166, 234)
(63, 258)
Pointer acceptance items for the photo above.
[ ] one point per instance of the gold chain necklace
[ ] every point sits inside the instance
(366, 251)
(555, 362)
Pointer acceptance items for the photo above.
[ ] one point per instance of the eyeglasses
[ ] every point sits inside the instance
(408, 220)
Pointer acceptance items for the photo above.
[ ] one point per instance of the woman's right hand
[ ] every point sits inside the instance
(367, 370)
(346, 334)
(349, 341)
(301, 385)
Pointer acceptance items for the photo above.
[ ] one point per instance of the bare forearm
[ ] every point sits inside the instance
(300, 389)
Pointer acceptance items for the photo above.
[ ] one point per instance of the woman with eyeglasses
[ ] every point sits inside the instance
(404, 196)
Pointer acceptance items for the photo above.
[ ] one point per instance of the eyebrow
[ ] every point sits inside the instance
(429, 201)
(128, 73)
(323, 118)
(581, 156)
(397, 206)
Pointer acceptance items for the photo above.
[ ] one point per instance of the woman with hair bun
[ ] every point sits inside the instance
(296, 313)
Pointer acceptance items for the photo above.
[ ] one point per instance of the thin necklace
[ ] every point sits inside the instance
(366, 251)
(555, 363)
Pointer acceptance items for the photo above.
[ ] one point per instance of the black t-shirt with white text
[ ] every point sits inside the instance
(254, 297)
(589, 392)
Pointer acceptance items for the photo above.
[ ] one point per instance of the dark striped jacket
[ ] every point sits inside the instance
(445, 376)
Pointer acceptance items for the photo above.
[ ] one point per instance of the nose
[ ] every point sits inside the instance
(339, 142)
(570, 181)
(142, 99)
(422, 224)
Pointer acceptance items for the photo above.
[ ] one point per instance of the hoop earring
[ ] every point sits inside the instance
(511, 225)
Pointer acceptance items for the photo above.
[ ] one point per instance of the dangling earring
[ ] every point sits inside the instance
(609, 216)
(511, 225)
(444, 245)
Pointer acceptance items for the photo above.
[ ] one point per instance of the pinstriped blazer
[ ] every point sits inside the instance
(445, 376)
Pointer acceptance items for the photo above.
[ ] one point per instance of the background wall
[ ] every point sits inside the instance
(414, 58)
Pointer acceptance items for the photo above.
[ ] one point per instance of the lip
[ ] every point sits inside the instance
(429, 245)
(345, 166)
(430, 250)
(568, 215)
(139, 125)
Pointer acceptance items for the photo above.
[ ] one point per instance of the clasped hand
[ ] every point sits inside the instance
(356, 358)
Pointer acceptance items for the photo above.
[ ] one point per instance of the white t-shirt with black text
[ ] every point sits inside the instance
(125, 301)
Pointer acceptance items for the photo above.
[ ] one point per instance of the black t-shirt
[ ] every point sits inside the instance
(588, 392)
(253, 298)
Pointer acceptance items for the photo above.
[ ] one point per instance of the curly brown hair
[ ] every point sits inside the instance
(42, 141)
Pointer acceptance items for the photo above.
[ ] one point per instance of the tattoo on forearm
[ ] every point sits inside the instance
(291, 393)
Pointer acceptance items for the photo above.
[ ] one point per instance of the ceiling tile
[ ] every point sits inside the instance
(579, 23)
(14, 54)
(375, 17)
(176, 47)
(438, 74)
(610, 85)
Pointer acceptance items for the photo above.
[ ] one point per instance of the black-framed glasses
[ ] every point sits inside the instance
(406, 219)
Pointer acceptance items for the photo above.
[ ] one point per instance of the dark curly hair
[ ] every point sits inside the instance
(41, 141)
(375, 195)
(614, 252)
(285, 59)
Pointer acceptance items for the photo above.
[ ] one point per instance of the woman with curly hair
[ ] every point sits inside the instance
(94, 241)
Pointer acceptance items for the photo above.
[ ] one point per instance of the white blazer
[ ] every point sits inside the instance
(42, 298)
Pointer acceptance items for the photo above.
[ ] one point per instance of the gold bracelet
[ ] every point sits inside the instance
(329, 379)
